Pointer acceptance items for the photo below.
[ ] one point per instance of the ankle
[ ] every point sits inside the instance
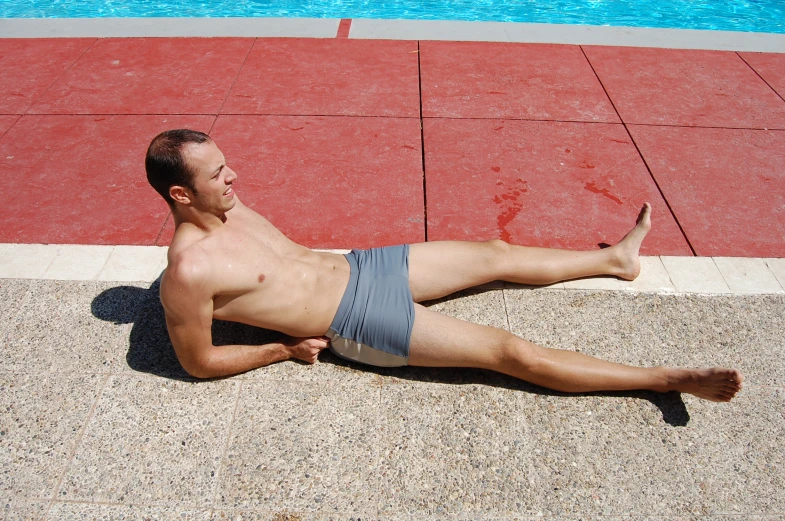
(617, 261)
(624, 263)
(665, 379)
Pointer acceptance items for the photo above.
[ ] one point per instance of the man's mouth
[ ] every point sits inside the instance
(229, 191)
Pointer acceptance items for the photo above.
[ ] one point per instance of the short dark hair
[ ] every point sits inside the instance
(165, 163)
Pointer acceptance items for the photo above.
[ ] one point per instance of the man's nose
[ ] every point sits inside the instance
(231, 176)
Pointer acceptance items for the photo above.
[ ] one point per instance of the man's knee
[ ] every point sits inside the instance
(498, 246)
(519, 354)
(497, 254)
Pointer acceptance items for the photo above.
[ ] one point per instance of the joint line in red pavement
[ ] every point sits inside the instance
(637, 149)
(759, 76)
(422, 148)
(233, 82)
(18, 117)
(163, 227)
(60, 76)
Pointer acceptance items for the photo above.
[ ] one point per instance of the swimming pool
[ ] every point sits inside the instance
(766, 16)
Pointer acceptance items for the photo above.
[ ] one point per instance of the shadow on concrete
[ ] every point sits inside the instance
(671, 406)
(150, 351)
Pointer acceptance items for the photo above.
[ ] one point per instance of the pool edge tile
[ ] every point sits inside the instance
(133, 264)
(602, 283)
(777, 267)
(748, 275)
(26, 261)
(695, 275)
(567, 34)
(370, 28)
(163, 27)
(78, 262)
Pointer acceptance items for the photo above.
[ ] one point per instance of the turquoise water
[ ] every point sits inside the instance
(737, 15)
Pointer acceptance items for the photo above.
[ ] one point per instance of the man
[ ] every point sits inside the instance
(228, 262)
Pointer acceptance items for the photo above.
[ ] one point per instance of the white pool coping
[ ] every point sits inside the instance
(667, 275)
(394, 30)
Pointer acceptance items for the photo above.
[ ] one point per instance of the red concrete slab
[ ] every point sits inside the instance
(511, 80)
(329, 182)
(551, 184)
(148, 76)
(306, 76)
(770, 66)
(7, 122)
(28, 66)
(81, 179)
(686, 87)
(726, 186)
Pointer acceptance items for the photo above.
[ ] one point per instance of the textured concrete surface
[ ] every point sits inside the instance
(98, 420)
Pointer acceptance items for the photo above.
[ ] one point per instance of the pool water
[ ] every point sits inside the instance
(736, 15)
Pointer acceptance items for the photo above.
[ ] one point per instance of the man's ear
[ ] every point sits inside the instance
(180, 194)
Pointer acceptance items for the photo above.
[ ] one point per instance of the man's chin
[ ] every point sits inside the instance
(230, 203)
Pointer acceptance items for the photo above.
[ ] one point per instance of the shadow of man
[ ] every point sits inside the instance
(151, 351)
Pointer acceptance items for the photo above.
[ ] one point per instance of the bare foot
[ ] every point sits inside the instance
(717, 384)
(627, 262)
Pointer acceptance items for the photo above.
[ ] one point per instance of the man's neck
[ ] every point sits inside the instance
(205, 221)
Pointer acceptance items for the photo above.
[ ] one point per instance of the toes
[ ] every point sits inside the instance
(726, 397)
(642, 214)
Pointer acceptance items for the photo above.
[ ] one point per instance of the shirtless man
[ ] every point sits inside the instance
(228, 262)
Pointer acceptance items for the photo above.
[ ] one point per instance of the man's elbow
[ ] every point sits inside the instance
(200, 371)
(202, 368)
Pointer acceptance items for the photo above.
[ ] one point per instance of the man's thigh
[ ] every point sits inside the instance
(442, 341)
(440, 268)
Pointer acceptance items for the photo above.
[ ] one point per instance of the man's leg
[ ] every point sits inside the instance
(440, 268)
(441, 341)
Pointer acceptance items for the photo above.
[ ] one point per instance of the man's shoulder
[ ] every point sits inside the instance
(189, 264)
(189, 272)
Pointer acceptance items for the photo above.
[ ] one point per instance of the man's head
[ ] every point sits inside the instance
(166, 161)
(185, 166)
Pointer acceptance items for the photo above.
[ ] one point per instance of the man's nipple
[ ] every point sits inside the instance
(261, 278)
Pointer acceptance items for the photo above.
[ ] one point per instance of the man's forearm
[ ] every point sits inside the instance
(232, 359)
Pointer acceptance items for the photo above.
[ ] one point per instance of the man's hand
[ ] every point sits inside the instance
(306, 349)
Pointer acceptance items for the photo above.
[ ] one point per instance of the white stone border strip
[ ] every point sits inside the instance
(168, 27)
(706, 275)
(393, 30)
(566, 34)
(81, 262)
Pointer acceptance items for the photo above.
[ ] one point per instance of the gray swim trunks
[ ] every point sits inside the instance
(374, 321)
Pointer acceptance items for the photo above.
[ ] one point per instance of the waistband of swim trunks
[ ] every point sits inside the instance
(347, 301)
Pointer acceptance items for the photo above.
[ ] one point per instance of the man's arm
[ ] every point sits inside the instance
(188, 304)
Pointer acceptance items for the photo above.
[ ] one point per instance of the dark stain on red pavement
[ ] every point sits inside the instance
(586, 164)
(510, 206)
(592, 187)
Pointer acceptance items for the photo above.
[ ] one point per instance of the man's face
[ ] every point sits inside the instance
(212, 178)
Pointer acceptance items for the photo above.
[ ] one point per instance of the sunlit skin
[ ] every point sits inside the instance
(228, 262)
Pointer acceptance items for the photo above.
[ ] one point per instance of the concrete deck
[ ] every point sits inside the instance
(99, 421)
